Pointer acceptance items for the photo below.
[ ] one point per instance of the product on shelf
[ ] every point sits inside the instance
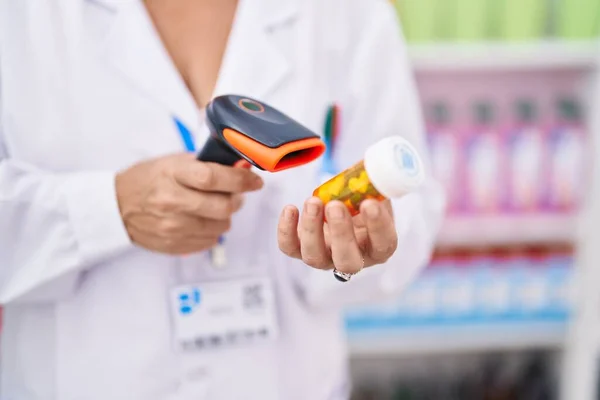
(525, 158)
(578, 19)
(521, 151)
(467, 287)
(444, 20)
(509, 20)
(560, 279)
(490, 272)
(457, 295)
(367, 393)
(483, 161)
(566, 156)
(532, 291)
(536, 381)
(445, 149)
(471, 20)
(418, 19)
(528, 376)
(522, 19)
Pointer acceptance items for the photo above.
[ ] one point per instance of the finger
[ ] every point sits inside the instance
(381, 231)
(312, 239)
(345, 251)
(211, 177)
(189, 246)
(177, 229)
(242, 164)
(287, 232)
(211, 229)
(217, 206)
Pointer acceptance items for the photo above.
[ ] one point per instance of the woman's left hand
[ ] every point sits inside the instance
(344, 243)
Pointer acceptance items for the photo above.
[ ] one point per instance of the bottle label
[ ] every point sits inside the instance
(444, 157)
(526, 160)
(484, 171)
(567, 159)
(406, 160)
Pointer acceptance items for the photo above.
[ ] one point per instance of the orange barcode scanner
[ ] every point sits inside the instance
(242, 128)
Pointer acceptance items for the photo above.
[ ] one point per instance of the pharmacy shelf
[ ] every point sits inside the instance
(505, 56)
(502, 230)
(458, 340)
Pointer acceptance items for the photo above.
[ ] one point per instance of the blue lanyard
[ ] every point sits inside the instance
(186, 136)
(218, 252)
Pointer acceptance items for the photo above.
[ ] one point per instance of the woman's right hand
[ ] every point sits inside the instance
(179, 205)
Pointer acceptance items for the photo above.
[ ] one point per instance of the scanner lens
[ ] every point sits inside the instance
(251, 105)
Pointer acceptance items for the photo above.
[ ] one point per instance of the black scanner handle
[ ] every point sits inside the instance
(216, 151)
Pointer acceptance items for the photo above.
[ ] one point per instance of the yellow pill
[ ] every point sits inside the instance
(336, 185)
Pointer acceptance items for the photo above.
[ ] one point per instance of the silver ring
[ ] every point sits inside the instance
(344, 276)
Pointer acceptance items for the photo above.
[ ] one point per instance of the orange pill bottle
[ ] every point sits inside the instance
(391, 168)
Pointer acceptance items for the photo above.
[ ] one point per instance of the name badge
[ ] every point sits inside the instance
(223, 314)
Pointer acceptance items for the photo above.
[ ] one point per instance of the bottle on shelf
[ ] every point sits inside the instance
(521, 20)
(418, 19)
(493, 285)
(471, 19)
(367, 393)
(525, 158)
(536, 380)
(578, 19)
(444, 146)
(566, 157)
(483, 165)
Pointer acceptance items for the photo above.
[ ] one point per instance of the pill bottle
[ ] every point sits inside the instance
(391, 168)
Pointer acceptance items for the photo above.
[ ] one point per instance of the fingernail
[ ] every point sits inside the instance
(312, 209)
(243, 164)
(258, 181)
(289, 213)
(372, 211)
(335, 212)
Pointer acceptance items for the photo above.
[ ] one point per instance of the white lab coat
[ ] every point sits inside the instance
(87, 89)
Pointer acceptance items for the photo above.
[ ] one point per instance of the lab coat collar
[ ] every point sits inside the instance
(111, 6)
(253, 65)
(272, 12)
(277, 12)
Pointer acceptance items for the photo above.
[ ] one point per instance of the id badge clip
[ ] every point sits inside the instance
(242, 128)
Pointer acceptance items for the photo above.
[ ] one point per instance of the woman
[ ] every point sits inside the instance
(107, 225)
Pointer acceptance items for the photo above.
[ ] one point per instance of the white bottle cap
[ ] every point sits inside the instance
(394, 167)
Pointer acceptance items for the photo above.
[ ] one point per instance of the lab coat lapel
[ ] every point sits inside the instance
(253, 64)
(133, 47)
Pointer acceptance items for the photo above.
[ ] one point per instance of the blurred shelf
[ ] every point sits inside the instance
(504, 56)
(453, 340)
(500, 230)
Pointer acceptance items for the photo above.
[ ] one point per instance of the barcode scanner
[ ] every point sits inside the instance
(242, 128)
